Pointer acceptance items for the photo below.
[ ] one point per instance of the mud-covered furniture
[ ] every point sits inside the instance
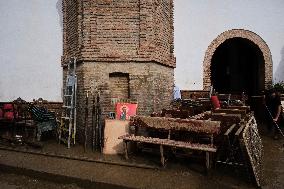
(199, 135)
(44, 120)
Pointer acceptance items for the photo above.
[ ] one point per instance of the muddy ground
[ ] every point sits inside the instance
(179, 173)
(15, 181)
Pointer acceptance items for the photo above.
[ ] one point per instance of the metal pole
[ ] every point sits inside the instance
(276, 125)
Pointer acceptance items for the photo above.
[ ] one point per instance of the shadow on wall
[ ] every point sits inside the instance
(59, 10)
(279, 73)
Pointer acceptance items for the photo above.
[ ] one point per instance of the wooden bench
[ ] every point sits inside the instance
(171, 143)
(205, 127)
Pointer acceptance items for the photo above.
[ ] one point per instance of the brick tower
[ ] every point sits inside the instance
(124, 49)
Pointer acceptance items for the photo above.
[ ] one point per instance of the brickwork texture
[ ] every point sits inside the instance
(120, 45)
(256, 39)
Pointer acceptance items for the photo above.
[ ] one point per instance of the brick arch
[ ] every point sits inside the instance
(240, 33)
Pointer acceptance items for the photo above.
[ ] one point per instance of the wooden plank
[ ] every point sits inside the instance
(192, 125)
(240, 130)
(172, 143)
(232, 111)
(207, 161)
(246, 108)
(126, 150)
(162, 155)
(169, 135)
(230, 129)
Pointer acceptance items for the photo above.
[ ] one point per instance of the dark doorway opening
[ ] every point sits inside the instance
(238, 66)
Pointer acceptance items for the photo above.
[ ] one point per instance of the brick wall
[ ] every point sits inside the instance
(236, 33)
(119, 85)
(150, 84)
(70, 32)
(118, 30)
(133, 37)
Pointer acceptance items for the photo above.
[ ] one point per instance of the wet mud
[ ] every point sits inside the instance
(181, 172)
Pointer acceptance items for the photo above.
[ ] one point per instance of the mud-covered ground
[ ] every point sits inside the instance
(182, 171)
(15, 181)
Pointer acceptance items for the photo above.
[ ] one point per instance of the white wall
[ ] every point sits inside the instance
(199, 22)
(30, 50)
(31, 41)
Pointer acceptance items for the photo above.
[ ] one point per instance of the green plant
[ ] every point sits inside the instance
(279, 86)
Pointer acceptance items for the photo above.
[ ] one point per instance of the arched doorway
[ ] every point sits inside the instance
(237, 61)
(238, 65)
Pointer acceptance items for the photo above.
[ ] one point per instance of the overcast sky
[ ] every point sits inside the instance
(30, 50)
(31, 41)
(199, 22)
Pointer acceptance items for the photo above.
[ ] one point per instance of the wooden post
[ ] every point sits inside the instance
(86, 121)
(94, 122)
(162, 155)
(126, 150)
(207, 161)
(169, 135)
(211, 139)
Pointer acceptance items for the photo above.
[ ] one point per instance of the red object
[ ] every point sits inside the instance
(215, 101)
(1, 113)
(125, 110)
(9, 115)
(8, 107)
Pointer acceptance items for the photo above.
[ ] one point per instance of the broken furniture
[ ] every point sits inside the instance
(44, 120)
(14, 116)
(185, 108)
(7, 115)
(239, 144)
(195, 94)
(196, 128)
(24, 121)
(17, 123)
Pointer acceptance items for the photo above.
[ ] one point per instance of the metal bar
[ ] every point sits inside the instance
(275, 124)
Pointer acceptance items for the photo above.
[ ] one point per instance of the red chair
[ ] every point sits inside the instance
(216, 103)
(9, 116)
(9, 113)
(7, 107)
(1, 113)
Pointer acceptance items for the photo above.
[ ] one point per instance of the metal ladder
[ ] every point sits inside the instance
(67, 130)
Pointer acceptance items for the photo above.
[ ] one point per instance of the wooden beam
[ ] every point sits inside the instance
(126, 150)
(162, 155)
(207, 161)
(192, 125)
(240, 130)
(230, 129)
